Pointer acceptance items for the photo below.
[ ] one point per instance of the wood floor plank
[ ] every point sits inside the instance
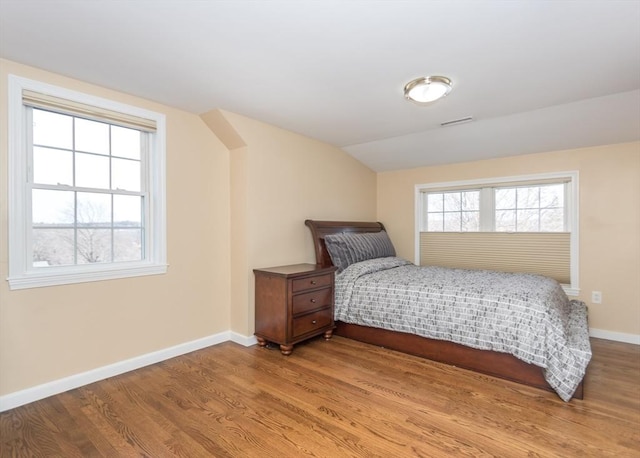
(272, 377)
(406, 400)
(207, 393)
(339, 398)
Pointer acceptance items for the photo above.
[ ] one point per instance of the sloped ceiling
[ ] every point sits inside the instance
(534, 75)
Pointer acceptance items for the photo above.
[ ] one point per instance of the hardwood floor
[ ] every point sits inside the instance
(339, 398)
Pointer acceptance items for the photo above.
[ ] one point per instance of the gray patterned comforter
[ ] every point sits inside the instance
(528, 316)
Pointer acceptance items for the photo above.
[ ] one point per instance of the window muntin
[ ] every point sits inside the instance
(530, 208)
(87, 201)
(54, 181)
(520, 208)
(453, 211)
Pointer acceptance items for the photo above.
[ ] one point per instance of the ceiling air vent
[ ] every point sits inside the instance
(456, 121)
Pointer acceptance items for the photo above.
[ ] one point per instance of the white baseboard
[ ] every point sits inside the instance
(12, 400)
(617, 336)
(246, 341)
(9, 401)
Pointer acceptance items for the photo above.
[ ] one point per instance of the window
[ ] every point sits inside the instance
(456, 211)
(530, 208)
(525, 208)
(86, 190)
(521, 224)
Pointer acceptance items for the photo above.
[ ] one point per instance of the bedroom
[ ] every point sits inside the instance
(251, 188)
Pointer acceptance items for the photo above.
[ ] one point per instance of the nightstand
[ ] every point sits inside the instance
(293, 303)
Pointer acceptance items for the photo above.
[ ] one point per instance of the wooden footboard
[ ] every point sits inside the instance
(502, 365)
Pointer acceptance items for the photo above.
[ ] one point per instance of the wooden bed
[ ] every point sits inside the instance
(502, 365)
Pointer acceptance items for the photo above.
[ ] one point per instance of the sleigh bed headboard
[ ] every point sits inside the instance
(321, 228)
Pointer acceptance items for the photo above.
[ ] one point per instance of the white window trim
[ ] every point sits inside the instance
(572, 202)
(20, 275)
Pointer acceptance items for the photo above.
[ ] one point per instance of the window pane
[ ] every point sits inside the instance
(127, 245)
(94, 245)
(125, 174)
(528, 197)
(470, 221)
(452, 221)
(52, 247)
(125, 142)
(92, 171)
(529, 201)
(471, 200)
(52, 129)
(92, 136)
(528, 221)
(436, 222)
(505, 198)
(435, 202)
(52, 166)
(552, 220)
(94, 209)
(52, 207)
(506, 220)
(127, 211)
(454, 211)
(552, 196)
(452, 201)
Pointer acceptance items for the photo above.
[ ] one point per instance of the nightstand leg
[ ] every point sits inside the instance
(328, 334)
(261, 342)
(286, 349)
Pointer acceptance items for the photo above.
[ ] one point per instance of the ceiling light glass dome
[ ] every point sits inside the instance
(427, 89)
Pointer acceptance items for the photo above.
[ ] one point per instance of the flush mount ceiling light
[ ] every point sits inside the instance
(428, 89)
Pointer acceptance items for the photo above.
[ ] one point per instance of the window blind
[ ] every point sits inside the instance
(59, 105)
(496, 184)
(544, 253)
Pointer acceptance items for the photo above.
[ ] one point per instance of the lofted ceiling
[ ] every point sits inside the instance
(535, 75)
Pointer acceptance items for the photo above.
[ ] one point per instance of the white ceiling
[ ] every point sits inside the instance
(535, 75)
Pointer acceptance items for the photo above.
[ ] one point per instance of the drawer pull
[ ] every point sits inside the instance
(313, 282)
(313, 301)
(314, 322)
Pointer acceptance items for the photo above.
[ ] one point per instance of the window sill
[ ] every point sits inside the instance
(572, 292)
(74, 275)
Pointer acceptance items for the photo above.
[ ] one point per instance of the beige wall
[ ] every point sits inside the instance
(279, 179)
(53, 332)
(609, 213)
(237, 198)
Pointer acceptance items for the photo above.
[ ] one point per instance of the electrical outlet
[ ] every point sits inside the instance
(596, 297)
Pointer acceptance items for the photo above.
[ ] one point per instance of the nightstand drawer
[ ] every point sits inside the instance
(313, 300)
(312, 321)
(311, 282)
